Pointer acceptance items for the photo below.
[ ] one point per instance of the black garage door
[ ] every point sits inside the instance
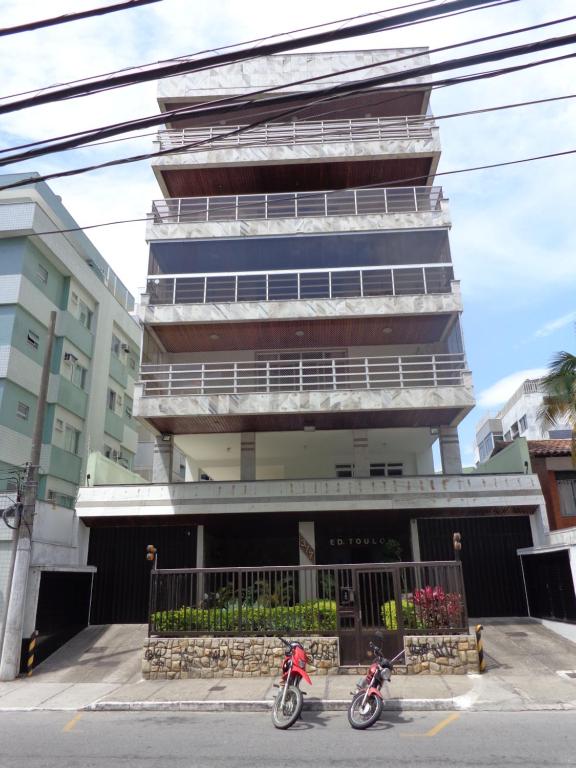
(122, 581)
(550, 586)
(492, 570)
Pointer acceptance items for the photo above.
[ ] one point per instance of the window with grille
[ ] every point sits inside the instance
(23, 411)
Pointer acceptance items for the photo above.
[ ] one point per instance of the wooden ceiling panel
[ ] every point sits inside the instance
(304, 334)
(187, 425)
(295, 177)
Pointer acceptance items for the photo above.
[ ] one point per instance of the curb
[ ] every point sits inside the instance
(318, 705)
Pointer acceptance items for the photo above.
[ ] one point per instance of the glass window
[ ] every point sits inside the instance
(567, 493)
(23, 411)
(522, 424)
(115, 345)
(344, 470)
(42, 274)
(59, 425)
(71, 439)
(111, 400)
(85, 315)
(377, 470)
(508, 436)
(79, 376)
(395, 470)
(33, 339)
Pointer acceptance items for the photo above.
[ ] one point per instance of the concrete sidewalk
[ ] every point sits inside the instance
(99, 670)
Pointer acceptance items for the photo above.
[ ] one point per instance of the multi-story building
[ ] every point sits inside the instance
(95, 357)
(302, 347)
(518, 417)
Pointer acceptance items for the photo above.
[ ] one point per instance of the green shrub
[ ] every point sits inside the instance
(390, 620)
(309, 617)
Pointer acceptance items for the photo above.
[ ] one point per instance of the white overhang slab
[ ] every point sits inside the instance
(353, 400)
(441, 492)
(301, 309)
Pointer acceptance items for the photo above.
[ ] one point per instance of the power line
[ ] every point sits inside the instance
(67, 17)
(398, 182)
(221, 48)
(76, 139)
(336, 91)
(210, 62)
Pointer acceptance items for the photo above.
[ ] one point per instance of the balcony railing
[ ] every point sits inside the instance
(269, 376)
(309, 600)
(289, 205)
(286, 285)
(304, 132)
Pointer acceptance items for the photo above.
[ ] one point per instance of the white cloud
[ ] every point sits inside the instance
(504, 388)
(555, 325)
(507, 222)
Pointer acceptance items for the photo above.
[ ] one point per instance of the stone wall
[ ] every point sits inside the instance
(440, 655)
(192, 657)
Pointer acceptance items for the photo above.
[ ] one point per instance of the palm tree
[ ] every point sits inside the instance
(559, 385)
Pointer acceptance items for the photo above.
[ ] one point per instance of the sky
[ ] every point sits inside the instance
(513, 238)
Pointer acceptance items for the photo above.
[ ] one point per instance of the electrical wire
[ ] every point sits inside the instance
(398, 182)
(221, 48)
(68, 17)
(334, 91)
(355, 30)
(70, 141)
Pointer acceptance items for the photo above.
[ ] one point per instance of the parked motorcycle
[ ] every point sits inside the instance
(289, 700)
(367, 703)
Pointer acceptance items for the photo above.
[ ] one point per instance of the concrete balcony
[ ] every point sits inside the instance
(241, 160)
(276, 395)
(339, 210)
(308, 294)
(472, 494)
(307, 132)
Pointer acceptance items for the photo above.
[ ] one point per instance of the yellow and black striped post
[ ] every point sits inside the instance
(480, 648)
(31, 650)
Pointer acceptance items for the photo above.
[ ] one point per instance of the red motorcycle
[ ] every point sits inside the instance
(289, 700)
(367, 704)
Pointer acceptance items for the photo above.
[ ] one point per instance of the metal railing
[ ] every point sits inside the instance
(268, 376)
(286, 205)
(286, 285)
(303, 132)
(405, 598)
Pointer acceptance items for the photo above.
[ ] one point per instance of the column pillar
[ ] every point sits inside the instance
(360, 453)
(450, 451)
(200, 564)
(162, 459)
(248, 456)
(308, 581)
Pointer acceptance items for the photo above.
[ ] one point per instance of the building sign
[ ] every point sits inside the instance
(347, 541)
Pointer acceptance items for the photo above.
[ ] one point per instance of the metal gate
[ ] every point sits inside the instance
(364, 607)
(350, 601)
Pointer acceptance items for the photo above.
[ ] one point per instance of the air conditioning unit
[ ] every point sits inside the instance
(70, 358)
(125, 348)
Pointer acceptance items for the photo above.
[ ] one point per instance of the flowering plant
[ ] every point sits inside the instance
(436, 609)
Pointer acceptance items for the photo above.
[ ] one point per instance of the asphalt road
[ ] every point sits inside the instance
(226, 740)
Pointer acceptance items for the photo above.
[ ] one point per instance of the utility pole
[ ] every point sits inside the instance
(10, 660)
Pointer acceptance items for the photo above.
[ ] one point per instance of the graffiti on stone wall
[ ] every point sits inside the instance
(436, 649)
(155, 655)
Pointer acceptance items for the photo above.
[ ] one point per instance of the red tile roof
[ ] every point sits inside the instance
(550, 447)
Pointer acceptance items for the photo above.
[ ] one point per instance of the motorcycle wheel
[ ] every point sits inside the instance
(363, 716)
(285, 716)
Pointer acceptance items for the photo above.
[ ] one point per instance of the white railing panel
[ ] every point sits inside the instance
(302, 375)
(284, 285)
(288, 205)
(303, 132)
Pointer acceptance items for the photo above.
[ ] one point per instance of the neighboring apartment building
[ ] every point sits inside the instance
(518, 417)
(302, 349)
(89, 420)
